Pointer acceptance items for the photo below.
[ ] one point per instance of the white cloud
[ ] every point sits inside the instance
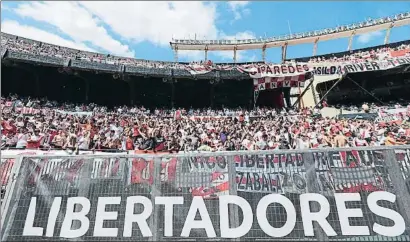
(112, 26)
(4, 7)
(367, 37)
(223, 56)
(238, 9)
(252, 58)
(157, 22)
(240, 55)
(75, 21)
(29, 32)
(239, 35)
(191, 55)
(196, 55)
(226, 55)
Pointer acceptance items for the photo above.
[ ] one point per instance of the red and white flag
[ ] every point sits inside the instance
(178, 115)
(266, 83)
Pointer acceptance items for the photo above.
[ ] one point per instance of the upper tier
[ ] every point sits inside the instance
(62, 56)
(338, 32)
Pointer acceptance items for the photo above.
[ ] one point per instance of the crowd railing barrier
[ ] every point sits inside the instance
(346, 194)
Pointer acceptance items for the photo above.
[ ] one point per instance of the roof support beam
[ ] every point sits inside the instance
(315, 47)
(234, 53)
(284, 49)
(264, 52)
(349, 47)
(176, 53)
(308, 38)
(387, 37)
(206, 53)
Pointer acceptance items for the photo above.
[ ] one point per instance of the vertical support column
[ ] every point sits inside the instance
(301, 103)
(284, 49)
(234, 54)
(176, 53)
(349, 47)
(155, 191)
(173, 93)
(264, 53)
(315, 47)
(313, 187)
(315, 97)
(206, 53)
(400, 188)
(387, 37)
(233, 210)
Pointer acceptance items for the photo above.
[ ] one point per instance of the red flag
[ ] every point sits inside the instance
(5, 171)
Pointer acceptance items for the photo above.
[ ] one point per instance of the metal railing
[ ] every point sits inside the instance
(38, 194)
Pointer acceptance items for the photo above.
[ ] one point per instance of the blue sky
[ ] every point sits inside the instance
(143, 29)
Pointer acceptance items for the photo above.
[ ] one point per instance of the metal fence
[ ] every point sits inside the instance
(265, 195)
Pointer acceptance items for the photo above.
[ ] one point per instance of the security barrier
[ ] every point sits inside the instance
(317, 195)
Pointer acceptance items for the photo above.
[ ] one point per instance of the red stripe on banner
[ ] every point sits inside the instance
(5, 171)
(73, 170)
(275, 82)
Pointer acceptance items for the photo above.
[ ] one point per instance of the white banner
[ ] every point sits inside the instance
(199, 69)
(75, 113)
(55, 152)
(375, 205)
(283, 70)
(393, 114)
(292, 69)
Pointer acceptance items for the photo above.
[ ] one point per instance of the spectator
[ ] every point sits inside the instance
(60, 126)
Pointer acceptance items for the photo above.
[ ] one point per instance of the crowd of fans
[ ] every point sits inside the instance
(364, 56)
(39, 123)
(30, 46)
(34, 47)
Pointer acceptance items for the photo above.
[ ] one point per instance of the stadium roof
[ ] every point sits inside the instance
(295, 39)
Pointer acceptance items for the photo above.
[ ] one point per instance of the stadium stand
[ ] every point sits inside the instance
(95, 134)
(380, 52)
(122, 127)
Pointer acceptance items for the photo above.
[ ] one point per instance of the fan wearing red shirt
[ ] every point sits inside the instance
(129, 143)
(9, 127)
